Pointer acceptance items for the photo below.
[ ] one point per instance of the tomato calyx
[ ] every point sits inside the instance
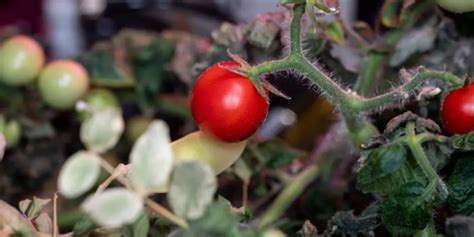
(261, 84)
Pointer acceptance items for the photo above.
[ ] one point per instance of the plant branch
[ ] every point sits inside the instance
(159, 209)
(288, 195)
(404, 90)
(295, 29)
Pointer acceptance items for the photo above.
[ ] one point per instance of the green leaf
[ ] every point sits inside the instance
(345, 223)
(150, 64)
(384, 161)
(151, 159)
(406, 211)
(335, 32)
(192, 189)
(102, 130)
(79, 174)
(461, 186)
(217, 221)
(262, 32)
(429, 231)
(139, 228)
(83, 227)
(384, 185)
(273, 153)
(103, 70)
(114, 207)
(32, 209)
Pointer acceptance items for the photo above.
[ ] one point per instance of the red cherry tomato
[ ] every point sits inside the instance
(227, 105)
(457, 112)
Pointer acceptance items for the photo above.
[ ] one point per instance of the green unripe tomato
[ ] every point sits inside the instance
(136, 126)
(98, 100)
(11, 131)
(217, 154)
(199, 146)
(458, 6)
(62, 83)
(21, 60)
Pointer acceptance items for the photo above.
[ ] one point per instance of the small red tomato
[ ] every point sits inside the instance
(227, 105)
(457, 112)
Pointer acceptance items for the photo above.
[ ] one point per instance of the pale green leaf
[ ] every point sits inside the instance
(192, 189)
(79, 174)
(102, 130)
(114, 207)
(32, 209)
(151, 159)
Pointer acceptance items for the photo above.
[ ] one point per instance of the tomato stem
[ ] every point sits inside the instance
(350, 104)
(288, 195)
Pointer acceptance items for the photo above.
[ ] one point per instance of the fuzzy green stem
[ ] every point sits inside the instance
(295, 29)
(414, 143)
(404, 90)
(288, 195)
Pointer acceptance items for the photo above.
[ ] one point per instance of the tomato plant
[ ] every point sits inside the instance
(457, 110)
(21, 60)
(62, 83)
(227, 105)
(375, 148)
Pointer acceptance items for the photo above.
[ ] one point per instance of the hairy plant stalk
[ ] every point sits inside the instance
(288, 195)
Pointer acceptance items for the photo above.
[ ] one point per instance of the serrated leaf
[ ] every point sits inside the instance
(345, 223)
(461, 186)
(102, 130)
(384, 161)
(192, 189)
(408, 202)
(114, 207)
(33, 208)
(79, 174)
(103, 70)
(151, 158)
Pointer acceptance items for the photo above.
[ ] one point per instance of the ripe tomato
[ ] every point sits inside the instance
(457, 111)
(457, 5)
(227, 105)
(62, 83)
(21, 59)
